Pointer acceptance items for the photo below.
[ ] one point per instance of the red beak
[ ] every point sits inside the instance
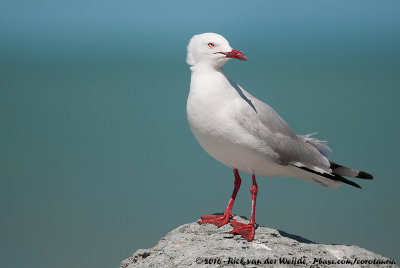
(234, 54)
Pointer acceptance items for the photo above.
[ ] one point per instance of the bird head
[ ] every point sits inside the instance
(211, 49)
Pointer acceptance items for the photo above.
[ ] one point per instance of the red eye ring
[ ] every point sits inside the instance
(211, 45)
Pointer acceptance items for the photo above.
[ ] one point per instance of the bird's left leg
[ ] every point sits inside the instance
(224, 219)
(247, 230)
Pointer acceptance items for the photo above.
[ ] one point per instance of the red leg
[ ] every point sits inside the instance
(224, 219)
(247, 230)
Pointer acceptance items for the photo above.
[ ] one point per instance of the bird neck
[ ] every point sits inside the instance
(207, 76)
(206, 82)
(206, 68)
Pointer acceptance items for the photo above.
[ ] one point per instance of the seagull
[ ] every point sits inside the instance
(246, 134)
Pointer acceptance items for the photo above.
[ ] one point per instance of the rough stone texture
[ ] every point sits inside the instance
(194, 245)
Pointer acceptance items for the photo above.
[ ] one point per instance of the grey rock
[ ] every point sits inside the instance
(194, 245)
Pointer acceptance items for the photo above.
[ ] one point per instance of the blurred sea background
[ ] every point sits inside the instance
(97, 159)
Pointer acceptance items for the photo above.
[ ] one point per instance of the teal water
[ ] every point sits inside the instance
(96, 157)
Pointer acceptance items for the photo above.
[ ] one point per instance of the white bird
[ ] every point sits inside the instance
(246, 134)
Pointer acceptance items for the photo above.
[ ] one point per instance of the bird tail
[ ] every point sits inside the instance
(333, 178)
(349, 172)
(329, 179)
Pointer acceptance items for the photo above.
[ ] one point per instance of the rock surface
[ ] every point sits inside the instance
(194, 245)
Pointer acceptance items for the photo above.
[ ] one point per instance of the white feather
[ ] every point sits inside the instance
(241, 131)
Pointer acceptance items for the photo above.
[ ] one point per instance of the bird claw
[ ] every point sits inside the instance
(217, 220)
(245, 230)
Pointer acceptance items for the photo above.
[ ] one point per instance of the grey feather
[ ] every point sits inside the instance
(278, 135)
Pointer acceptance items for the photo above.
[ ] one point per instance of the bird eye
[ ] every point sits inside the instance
(211, 45)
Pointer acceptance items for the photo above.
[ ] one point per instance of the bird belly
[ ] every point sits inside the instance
(236, 154)
(212, 121)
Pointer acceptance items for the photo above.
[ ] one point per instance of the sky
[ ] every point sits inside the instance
(97, 159)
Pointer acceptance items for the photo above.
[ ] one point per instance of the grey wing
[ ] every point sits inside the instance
(263, 122)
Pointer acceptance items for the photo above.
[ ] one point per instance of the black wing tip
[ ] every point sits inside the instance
(334, 165)
(354, 184)
(349, 182)
(365, 175)
(333, 177)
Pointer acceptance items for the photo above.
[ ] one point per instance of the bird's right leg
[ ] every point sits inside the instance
(247, 230)
(225, 218)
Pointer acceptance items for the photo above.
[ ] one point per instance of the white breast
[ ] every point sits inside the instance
(211, 108)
